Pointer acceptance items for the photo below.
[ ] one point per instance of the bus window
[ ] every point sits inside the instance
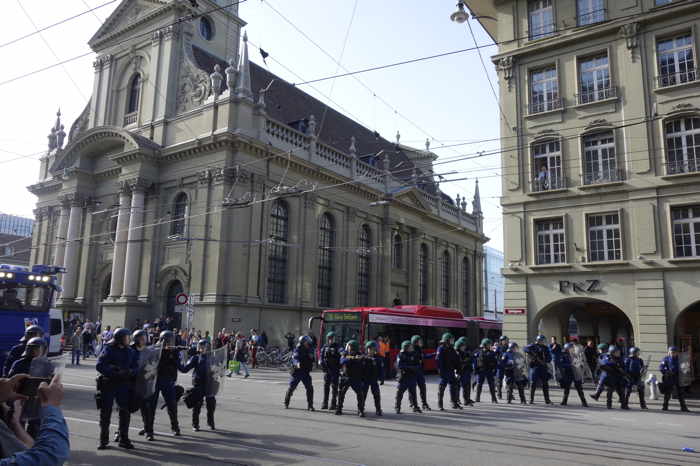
(25, 298)
(344, 331)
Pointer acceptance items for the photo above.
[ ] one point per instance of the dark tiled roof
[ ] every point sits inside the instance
(289, 104)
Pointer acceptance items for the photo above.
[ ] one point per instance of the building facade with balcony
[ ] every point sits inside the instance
(601, 144)
(194, 170)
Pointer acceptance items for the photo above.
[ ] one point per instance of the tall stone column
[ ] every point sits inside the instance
(134, 244)
(62, 231)
(117, 284)
(72, 250)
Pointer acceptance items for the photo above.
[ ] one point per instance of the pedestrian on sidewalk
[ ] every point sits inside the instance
(75, 343)
(240, 354)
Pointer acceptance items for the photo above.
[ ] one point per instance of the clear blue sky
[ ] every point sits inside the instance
(446, 98)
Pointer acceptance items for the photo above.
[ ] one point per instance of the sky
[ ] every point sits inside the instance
(446, 99)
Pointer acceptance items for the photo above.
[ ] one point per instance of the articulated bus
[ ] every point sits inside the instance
(26, 298)
(402, 322)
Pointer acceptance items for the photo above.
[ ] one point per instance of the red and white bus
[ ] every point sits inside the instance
(402, 322)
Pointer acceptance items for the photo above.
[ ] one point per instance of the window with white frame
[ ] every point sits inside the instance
(686, 231)
(675, 59)
(604, 242)
(541, 18)
(551, 242)
(364, 266)
(594, 79)
(544, 90)
(599, 162)
(682, 145)
(547, 166)
(590, 11)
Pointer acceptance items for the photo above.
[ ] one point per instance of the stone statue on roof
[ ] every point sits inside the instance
(60, 137)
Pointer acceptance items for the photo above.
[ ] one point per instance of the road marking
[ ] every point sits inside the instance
(79, 386)
(230, 442)
(668, 424)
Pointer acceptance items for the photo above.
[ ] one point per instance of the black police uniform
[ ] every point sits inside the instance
(198, 395)
(352, 376)
(330, 363)
(373, 375)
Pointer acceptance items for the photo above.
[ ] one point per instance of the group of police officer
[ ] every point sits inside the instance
(461, 369)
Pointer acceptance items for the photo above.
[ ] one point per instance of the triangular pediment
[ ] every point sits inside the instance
(128, 14)
(412, 198)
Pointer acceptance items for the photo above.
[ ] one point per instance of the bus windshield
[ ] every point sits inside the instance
(346, 326)
(398, 333)
(21, 297)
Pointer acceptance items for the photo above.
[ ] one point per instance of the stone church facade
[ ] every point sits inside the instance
(194, 170)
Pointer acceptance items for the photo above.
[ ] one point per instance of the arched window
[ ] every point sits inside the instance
(206, 28)
(326, 242)
(397, 251)
(364, 266)
(465, 287)
(423, 273)
(179, 215)
(682, 145)
(445, 279)
(132, 104)
(277, 258)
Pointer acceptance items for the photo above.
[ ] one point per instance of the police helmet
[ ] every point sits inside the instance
(167, 337)
(371, 344)
(602, 347)
(33, 344)
(541, 338)
(447, 336)
(354, 345)
(512, 345)
(633, 351)
(330, 334)
(612, 349)
(31, 332)
(139, 334)
(203, 342)
(486, 342)
(405, 344)
(415, 339)
(673, 349)
(304, 339)
(461, 341)
(503, 338)
(118, 336)
(568, 346)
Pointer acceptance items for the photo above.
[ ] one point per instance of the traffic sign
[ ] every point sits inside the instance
(182, 299)
(181, 308)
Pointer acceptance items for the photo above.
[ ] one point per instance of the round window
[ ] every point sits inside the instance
(206, 28)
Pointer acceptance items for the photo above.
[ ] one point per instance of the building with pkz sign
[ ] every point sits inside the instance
(601, 163)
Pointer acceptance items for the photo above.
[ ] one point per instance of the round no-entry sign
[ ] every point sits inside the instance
(181, 298)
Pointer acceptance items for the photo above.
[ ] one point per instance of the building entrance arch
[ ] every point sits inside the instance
(585, 319)
(174, 288)
(687, 336)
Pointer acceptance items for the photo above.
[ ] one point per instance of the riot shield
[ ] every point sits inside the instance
(520, 367)
(216, 371)
(685, 373)
(578, 363)
(145, 383)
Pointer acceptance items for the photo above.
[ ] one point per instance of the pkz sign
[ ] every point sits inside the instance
(586, 286)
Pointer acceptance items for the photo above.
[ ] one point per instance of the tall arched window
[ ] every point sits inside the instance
(364, 266)
(132, 104)
(179, 215)
(277, 258)
(423, 273)
(326, 242)
(465, 286)
(445, 279)
(397, 251)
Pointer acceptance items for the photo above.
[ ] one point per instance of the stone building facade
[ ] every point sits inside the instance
(600, 137)
(194, 170)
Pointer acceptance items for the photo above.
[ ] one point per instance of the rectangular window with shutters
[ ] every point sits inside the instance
(550, 241)
(604, 243)
(686, 231)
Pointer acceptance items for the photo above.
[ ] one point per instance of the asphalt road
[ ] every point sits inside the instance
(253, 428)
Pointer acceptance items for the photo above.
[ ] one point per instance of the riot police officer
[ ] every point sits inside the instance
(634, 366)
(302, 363)
(168, 367)
(352, 376)
(373, 374)
(117, 366)
(485, 367)
(201, 377)
(139, 341)
(448, 364)
(568, 375)
(16, 352)
(670, 369)
(330, 364)
(514, 377)
(539, 359)
(464, 370)
(417, 343)
(407, 363)
(602, 350)
(501, 349)
(611, 366)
